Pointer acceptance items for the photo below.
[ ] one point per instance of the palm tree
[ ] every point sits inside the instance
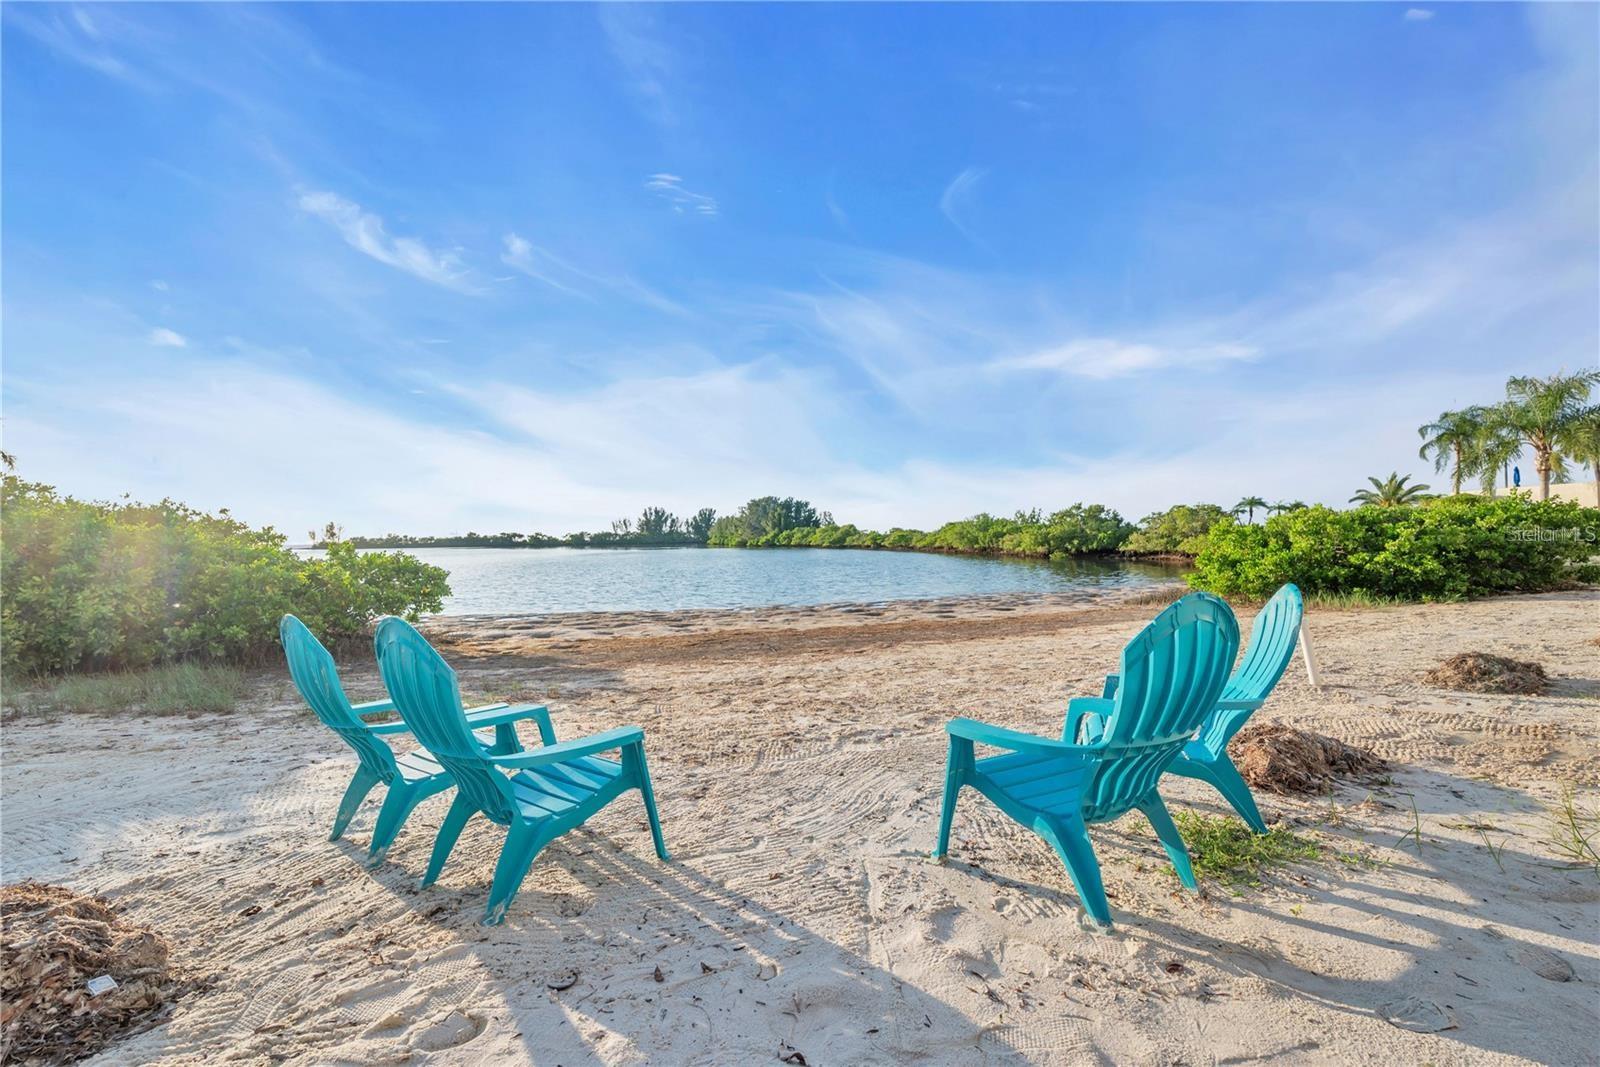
(1390, 492)
(1248, 505)
(1452, 440)
(1285, 505)
(1542, 410)
(1580, 442)
(1497, 445)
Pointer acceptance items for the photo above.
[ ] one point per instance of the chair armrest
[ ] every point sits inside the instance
(495, 714)
(1000, 737)
(487, 715)
(373, 707)
(1078, 707)
(384, 729)
(501, 714)
(583, 746)
(1110, 689)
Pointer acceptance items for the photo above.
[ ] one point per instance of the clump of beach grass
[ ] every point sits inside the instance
(1356, 600)
(170, 689)
(1572, 830)
(1226, 849)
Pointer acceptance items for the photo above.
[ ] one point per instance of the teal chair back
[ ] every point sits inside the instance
(312, 668)
(1273, 638)
(425, 692)
(1272, 643)
(1172, 674)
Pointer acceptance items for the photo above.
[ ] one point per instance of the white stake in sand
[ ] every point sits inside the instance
(1311, 660)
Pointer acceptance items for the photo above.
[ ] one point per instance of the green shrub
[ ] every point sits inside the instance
(1448, 548)
(981, 533)
(1179, 530)
(764, 520)
(1079, 530)
(91, 586)
(1085, 529)
(1082, 529)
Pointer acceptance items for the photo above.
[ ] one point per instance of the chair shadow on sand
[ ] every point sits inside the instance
(1437, 942)
(732, 986)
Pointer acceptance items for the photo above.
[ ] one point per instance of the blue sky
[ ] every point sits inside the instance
(430, 268)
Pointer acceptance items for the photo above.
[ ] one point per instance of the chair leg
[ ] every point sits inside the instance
(954, 778)
(1224, 777)
(1070, 838)
(354, 794)
(461, 810)
(1171, 840)
(642, 772)
(396, 808)
(524, 840)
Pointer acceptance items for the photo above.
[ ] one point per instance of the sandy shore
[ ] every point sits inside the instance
(798, 761)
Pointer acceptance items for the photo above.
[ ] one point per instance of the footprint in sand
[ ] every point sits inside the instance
(452, 1031)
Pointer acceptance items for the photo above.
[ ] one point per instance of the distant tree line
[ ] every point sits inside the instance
(788, 522)
(655, 527)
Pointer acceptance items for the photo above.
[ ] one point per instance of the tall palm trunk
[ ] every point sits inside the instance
(1543, 459)
(1455, 477)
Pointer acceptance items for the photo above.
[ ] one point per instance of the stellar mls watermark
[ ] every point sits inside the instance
(1553, 533)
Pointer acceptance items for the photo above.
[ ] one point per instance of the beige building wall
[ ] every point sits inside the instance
(1585, 493)
(1582, 492)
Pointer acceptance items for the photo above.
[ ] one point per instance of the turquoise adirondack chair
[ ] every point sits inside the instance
(1173, 672)
(410, 778)
(552, 789)
(1273, 637)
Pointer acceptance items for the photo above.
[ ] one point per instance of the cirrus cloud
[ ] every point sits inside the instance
(365, 232)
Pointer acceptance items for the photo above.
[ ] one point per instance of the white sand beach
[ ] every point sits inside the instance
(798, 760)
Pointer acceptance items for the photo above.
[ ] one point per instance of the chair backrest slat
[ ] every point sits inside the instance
(315, 675)
(1273, 638)
(1172, 674)
(424, 689)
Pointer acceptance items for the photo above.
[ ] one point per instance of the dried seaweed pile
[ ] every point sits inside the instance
(1479, 672)
(55, 941)
(1281, 759)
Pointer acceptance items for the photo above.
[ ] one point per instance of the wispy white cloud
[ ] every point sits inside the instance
(239, 54)
(1418, 14)
(73, 33)
(521, 255)
(836, 210)
(526, 458)
(161, 337)
(545, 266)
(645, 57)
(1107, 357)
(670, 188)
(159, 286)
(957, 198)
(364, 231)
(534, 459)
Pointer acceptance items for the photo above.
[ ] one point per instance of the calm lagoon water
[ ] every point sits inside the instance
(504, 581)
